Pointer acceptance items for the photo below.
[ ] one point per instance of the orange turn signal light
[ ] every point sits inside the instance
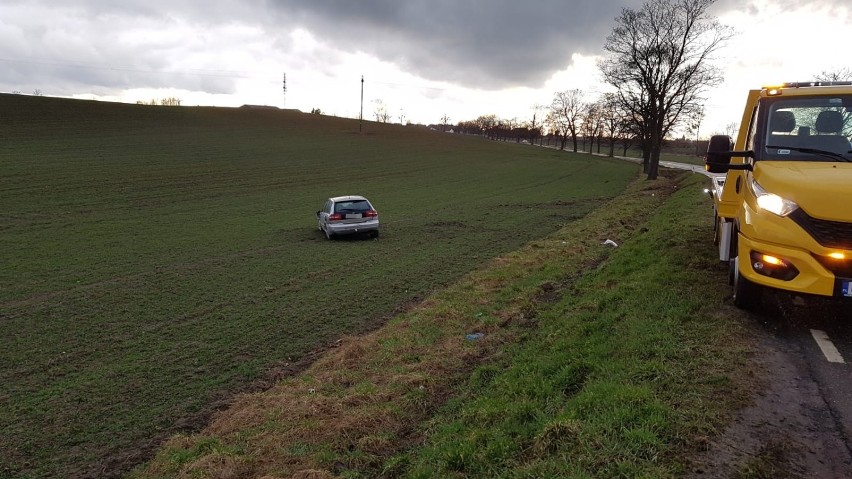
(772, 260)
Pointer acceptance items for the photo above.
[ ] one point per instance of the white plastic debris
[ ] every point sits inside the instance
(610, 243)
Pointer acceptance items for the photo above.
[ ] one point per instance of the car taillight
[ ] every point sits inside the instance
(371, 214)
(335, 217)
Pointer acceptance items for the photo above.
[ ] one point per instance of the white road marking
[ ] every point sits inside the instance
(828, 349)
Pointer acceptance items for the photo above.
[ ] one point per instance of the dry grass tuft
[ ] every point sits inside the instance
(216, 465)
(351, 352)
(556, 435)
(313, 474)
(179, 441)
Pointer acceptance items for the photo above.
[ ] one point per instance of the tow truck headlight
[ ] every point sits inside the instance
(772, 202)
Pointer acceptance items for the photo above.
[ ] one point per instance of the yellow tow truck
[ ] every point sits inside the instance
(784, 213)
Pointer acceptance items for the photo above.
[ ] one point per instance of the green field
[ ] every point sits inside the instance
(594, 362)
(158, 260)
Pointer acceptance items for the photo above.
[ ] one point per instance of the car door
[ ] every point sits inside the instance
(322, 218)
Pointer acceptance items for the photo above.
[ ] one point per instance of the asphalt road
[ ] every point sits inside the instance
(814, 338)
(820, 333)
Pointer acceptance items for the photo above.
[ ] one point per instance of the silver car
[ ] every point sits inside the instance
(344, 215)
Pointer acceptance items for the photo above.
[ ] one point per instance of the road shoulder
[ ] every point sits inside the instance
(789, 430)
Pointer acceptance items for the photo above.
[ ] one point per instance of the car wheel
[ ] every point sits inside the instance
(328, 234)
(374, 234)
(747, 295)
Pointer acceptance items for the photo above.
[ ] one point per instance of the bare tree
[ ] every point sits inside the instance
(592, 125)
(506, 129)
(839, 74)
(381, 111)
(37, 92)
(613, 119)
(661, 54)
(171, 101)
(536, 125)
(487, 125)
(634, 105)
(694, 126)
(565, 113)
(445, 121)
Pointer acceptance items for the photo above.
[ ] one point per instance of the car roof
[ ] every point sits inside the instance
(347, 198)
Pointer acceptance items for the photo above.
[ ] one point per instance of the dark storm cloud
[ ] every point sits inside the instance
(477, 43)
(488, 44)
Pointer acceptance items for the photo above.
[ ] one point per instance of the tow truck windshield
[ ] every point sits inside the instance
(812, 128)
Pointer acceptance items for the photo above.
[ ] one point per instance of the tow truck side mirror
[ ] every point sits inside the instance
(718, 158)
(719, 154)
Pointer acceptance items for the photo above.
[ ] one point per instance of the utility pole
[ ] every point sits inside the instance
(284, 87)
(361, 116)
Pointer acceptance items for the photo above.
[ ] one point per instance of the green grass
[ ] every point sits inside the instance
(595, 362)
(157, 260)
(622, 379)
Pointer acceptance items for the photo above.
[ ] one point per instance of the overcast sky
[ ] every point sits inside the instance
(422, 58)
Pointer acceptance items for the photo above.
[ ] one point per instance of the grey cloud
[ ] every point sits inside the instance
(476, 43)
(489, 44)
(78, 46)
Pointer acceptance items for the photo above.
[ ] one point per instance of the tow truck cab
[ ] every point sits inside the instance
(784, 214)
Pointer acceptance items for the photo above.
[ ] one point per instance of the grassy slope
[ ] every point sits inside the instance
(596, 362)
(626, 377)
(155, 260)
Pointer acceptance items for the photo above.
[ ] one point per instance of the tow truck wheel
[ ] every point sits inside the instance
(746, 294)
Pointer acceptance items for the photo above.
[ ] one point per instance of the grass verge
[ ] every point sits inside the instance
(593, 362)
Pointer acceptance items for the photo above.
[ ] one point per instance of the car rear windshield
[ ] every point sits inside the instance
(355, 206)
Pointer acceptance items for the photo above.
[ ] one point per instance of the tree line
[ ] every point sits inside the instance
(569, 121)
(659, 63)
